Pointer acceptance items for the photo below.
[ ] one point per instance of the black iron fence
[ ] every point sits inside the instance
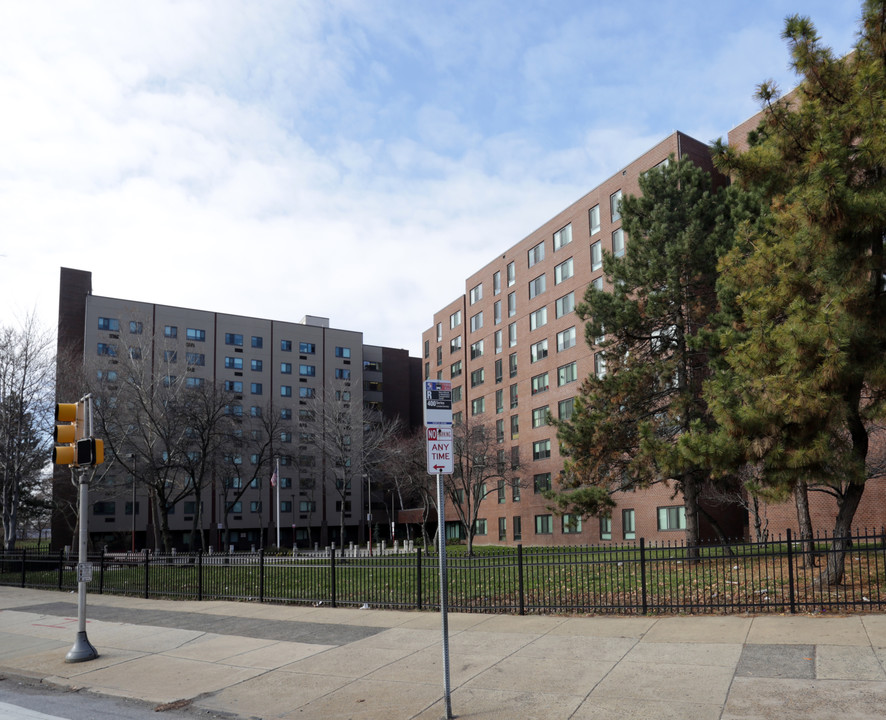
(780, 575)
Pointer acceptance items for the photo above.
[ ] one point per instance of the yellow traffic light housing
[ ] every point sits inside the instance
(66, 433)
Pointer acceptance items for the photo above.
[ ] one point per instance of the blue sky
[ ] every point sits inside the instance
(352, 159)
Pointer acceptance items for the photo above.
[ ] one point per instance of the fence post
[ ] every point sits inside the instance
(520, 578)
(332, 579)
(61, 567)
(261, 575)
(792, 599)
(147, 571)
(643, 599)
(24, 566)
(200, 574)
(101, 572)
(418, 578)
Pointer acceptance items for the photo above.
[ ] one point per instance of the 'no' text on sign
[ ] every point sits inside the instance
(439, 450)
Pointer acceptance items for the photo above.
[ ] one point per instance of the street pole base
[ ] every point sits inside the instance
(82, 650)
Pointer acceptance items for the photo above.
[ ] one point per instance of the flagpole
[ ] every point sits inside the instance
(277, 474)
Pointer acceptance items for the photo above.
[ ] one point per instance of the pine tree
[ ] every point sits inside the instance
(805, 370)
(631, 421)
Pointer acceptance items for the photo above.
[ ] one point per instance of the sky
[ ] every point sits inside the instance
(355, 159)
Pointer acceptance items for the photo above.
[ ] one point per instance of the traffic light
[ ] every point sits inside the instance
(66, 433)
(90, 451)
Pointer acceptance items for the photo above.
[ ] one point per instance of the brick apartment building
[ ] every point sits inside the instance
(266, 364)
(514, 350)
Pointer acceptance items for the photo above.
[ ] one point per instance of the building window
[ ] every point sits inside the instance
(342, 374)
(565, 408)
(537, 286)
(606, 528)
(257, 342)
(255, 365)
(567, 374)
(540, 416)
(476, 293)
(343, 352)
(303, 392)
(255, 506)
(196, 335)
(512, 304)
(596, 256)
(286, 390)
(307, 370)
(135, 327)
(536, 254)
(110, 324)
(615, 205)
(307, 348)
(618, 242)
(455, 319)
(439, 331)
(594, 219)
(515, 427)
(538, 319)
(628, 530)
(562, 237)
(512, 274)
(455, 369)
(480, 526)
(170, 331)
(565, 339)
(455, 344)
(544, 524)
(571, 524)
(500, 431)
(286, 345)
(496, 282)
(538, 351)
(195, 359)
(518, 531)
(563, 271)
(502, 529)
(541, 449)
(541, 483)
(478, 406)
(233, 339)
(286, 368)
(496, 312)
(306, 506)
(512, 364)
(597, 283)
(565, 305)
(672, 518)
(286, 413)
(456, 394)
(477, 321)
(599, 365)
(476, 350)
(478, 377)
(512, 334)
(539, 383)
(256, 388)
(498, 341)
(170, 356)
(513, 396)
(234, 363)
(106, 349)
(499, 401)
(104, 508)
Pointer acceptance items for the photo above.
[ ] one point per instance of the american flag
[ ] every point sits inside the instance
(274, 479)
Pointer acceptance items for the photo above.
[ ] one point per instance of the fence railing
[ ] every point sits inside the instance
(780, 575)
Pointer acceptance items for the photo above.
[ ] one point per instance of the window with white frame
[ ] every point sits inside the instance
(496, 282)
(476, 293)
(538, 319)
(628, 528)
(478, 406)
(564, 408)
(512, 304)
(599, 365)
(562, 237)
(512, 274)
(672, 518)
(478, 377)
(455, 320)
(606, 528)
(596, 256)
(594, 219)
(496, 312)
(539, 383)
(512, 334)
(476, 350)
(536, 254)
(618, 242)
(477, 321)
(615, 205)
(597, 283)
(538, 351)
(497, 341)
(565, 304)
(563, 271)
(540, 416)
(455, 369)
(571, 523)
(455, 344)
(566, 374)
(537, 286)
(544, 524)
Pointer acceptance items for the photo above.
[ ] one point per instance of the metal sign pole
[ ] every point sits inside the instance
(82, 649)
(444, 593)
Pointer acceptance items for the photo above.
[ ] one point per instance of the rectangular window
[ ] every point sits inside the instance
(255, 365)
(456, 394)
(537, 286)
(563, 271)
(439, 331)
(571, 524)
(567, 374)
(304, 392)
(515, 427)
(196, 335)
(499, 431)
(512, 364)
(286, 345)
(618, 242)
(599, 365)
(544, 524)
(539, 383)
(286, 390)
(512, 334)
(540, 416)
(538, 319)
(538, 351)
(477, 321)
(478, 377)
(628, 530)
(594, 219)
(597, 283)
(170, 331)
(606, 528)
(478, 406)
(104, 508)
(455, 369)
(135, 327)
(170, 356)
(257, 342)
(234, 363)
(343, 352)
(512, 274)
(513, 396)
(518, 530)
(135, 353)
(496, 282)
(541, 449)
(286, 368)
(307, 370)
(107, 349)
(111, 324)
(515, 490)
(476, 293)
(502, 529)
(498, 341)
(455, 320)
(342, 374)
(564, 408)
(307, 348)
(195, 359)
(455, 344)
(307, 506)
(476, 350)
(672, 518)
(480, 526)
(512, 304)
(562, 237)
(615, 205)
(256, 388)
(255, 506)
(596, 256)
(234, 339)
(496, 312)
(536, 254)
(499, 401)
(565, 339)
(565, 304)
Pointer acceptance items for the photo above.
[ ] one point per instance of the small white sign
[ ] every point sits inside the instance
(438, 403)
(84, 572)
(439, 450)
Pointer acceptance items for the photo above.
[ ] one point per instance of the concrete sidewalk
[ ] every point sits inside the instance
(272, 661)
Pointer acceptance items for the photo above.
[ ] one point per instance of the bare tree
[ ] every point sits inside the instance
(26, 400)
(405, 473)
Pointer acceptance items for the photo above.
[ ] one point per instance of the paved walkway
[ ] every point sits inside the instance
(274, 662)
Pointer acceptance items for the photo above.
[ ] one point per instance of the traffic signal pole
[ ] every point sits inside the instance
(82, 649)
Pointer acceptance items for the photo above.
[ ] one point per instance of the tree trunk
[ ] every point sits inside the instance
(761, 529)
(690, 504)
(832, 574)
(804, 523)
